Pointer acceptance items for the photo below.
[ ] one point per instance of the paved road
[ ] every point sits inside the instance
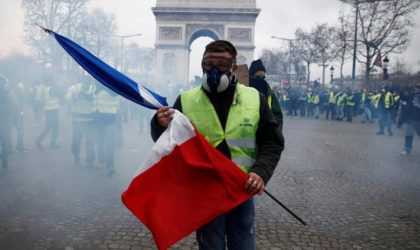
(352, 186)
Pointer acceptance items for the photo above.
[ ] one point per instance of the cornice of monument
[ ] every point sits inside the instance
(207, 3)
(205, 10)
(205, 14)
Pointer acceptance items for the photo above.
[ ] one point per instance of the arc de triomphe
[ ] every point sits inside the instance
(180, 22)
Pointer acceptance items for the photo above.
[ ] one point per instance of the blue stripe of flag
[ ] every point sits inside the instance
(110, 77)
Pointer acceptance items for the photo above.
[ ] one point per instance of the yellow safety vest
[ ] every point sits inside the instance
(388, 100)
(309, 95)
(375, 100)
(241, 125)
(350, 101)
(106, 103)
(50, 102)
(333, 98)
(340, 100)
(80, 107)
(315, 99)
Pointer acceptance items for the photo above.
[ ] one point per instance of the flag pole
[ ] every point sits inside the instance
(287, 209)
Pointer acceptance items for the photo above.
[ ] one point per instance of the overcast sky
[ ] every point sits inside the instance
(280, 18)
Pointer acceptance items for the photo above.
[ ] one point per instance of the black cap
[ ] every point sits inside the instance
(256, 65)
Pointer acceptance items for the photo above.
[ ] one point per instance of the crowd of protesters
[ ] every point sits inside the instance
(387, 106)
(97, 114)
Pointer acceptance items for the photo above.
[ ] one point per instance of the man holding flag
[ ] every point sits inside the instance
(190, 181)
(238, 122)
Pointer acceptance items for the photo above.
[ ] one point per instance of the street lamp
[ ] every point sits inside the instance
(290, 40)
(332, 73)
(122, 38)
(385, 67)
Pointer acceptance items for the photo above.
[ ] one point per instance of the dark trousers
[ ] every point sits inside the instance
(52, 125)
(237, 225)
(293, 108)
(6, 143)
(83, 129)
(18, 124)
(384, 117)
(106, 143)
(348, 112)
(412, 129)
(330, 111)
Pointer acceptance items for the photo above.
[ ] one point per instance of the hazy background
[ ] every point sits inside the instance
(279, 18)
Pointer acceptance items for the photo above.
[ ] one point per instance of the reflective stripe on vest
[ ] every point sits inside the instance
(388, 100)
(241, 124)
(79, 105)
(315, 99)
(51, 102)
(333, 98)
(350, 101)
(106, 103)
(340, 100)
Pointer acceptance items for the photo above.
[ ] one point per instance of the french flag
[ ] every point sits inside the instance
(185, 182)
(109, 76)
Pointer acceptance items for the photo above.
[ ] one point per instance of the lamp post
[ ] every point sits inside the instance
(332, 73)
(122, 38)
(290, 40)
(385, 67)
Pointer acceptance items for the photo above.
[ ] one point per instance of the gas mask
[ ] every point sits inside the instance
(215, 80)
(216, 73)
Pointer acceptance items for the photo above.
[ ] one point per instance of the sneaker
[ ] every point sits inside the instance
(405, 152)
(54, 146)
(380, 133)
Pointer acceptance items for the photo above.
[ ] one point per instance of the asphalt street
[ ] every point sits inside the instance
(350, 185)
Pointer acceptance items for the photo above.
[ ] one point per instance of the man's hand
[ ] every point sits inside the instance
(164, 116)
(255, 184)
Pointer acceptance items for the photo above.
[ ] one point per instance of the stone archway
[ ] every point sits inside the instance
(180, 22)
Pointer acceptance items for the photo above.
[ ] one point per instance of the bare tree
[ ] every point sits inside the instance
(343, 42)
(384, 28)
(95, 32)
(323, 38)
(276, 62)
(52, 14)
(306, 49)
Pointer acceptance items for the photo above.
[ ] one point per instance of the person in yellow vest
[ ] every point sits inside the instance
(385, 103)
(316, 104)
(214, 108)
(332, 102)
(8, 107)
(257, 80)
(396, 106)
(51, 100)
(309, 104)
(105, 122)
(349, 105)
(341, 100)
(80, 96)
(303, 99)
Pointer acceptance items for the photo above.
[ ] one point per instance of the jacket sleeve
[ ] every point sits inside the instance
(155, 128)
(270, 143)
(276, 109)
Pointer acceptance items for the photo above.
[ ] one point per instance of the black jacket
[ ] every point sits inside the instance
(270, 141)
(264, 88)
(411, 109)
